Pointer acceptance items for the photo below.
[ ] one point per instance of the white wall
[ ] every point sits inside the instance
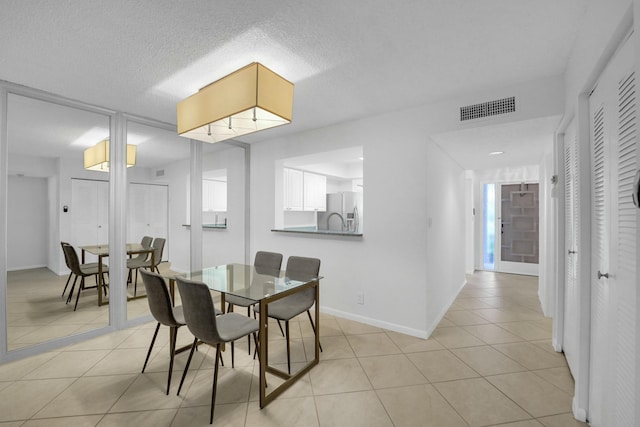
(388, 263)
(409, 273)
(446, 233)
(226, 246)
(27, 219)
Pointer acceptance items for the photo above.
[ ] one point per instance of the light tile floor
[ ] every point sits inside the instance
(489, 362)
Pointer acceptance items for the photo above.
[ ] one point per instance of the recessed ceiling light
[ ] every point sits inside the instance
(496, 153)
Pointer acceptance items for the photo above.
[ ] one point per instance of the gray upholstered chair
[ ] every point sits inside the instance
(145, 242)
(145, 262)
(164, 312)
(200, 315)
(285, 309)
(82, 271)
(265, 263)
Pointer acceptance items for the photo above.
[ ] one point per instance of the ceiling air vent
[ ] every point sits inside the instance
(486, 109)
(160, 172)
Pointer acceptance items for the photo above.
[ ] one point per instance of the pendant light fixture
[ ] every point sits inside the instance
(96, 158)
(248, 100)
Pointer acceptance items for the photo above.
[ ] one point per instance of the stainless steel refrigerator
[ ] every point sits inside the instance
(343, 212)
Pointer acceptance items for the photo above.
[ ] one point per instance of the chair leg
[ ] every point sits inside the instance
(248, 337)
(186, 368)
(153, 340)
(286, 327)
(280, 326)
(135, 284)
(215, 383)
(104, 285)
(79, 292)
(313, 327)
(65, 286)
(173, 334)
(232, 355)
(75, 279)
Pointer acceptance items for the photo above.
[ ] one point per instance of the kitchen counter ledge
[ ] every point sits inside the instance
(314, 230)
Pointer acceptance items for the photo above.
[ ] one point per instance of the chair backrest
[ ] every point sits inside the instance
(268, 263)
(198, 310)
(302, 268)
(159, 298)
(146, 241)
(158, 247)
(72, 259)
(66, 258)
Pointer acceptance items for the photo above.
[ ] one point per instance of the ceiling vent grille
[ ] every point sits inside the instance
(486, 109)
(160, 172)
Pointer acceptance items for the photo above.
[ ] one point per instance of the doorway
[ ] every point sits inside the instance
(511, 227)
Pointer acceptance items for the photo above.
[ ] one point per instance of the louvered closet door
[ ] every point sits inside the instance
(572, 243)
(624, 242)
(600, 293)
(612, 388)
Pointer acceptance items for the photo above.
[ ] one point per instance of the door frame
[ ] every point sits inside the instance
(506, 266)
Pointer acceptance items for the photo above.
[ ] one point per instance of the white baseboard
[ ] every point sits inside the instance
(580, 414)
(374, 322)
(444, 310)
(26, 267)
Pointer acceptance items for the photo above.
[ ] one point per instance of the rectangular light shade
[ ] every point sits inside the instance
(250, 99)
(96, 158)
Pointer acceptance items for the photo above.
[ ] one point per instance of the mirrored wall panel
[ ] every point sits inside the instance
(56, 207)
(156, 204)
(223, 204)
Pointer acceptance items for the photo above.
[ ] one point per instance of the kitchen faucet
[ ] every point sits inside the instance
(343, 224)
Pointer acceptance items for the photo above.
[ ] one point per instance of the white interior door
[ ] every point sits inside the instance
(572, 243)
(89, 214)
(148, 213)
(613, 389)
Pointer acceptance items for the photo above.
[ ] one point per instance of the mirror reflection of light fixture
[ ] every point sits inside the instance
(248, 100)
(96, 158)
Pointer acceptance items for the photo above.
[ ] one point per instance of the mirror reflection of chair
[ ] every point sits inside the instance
(146, 261)
(164, 312)
(265, 263)
(140, 258)
(285, 309)
(82, 271)
(200, 315)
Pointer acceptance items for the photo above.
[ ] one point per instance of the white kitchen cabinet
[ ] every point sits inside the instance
(315, 192)
(304, 191)
(214, 195)
(293, 189)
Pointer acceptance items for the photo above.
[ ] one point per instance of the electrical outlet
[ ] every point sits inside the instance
(360, 298)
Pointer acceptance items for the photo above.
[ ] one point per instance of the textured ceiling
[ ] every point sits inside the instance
(348, 59)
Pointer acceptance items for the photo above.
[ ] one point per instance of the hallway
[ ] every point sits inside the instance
(489, 362)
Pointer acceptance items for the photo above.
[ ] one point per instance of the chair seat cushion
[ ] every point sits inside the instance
(239, 301)
(137, 263)
(92, 268)
(289, 307)
(232, 326)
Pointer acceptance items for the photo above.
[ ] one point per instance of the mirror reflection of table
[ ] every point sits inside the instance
(102, 251)
(264, 287)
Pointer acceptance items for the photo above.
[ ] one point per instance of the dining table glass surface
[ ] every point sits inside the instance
(246, 281)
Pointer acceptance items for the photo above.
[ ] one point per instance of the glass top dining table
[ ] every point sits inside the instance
(263, 286)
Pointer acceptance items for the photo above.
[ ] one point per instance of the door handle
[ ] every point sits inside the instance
(600, 275)
(570, 252)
